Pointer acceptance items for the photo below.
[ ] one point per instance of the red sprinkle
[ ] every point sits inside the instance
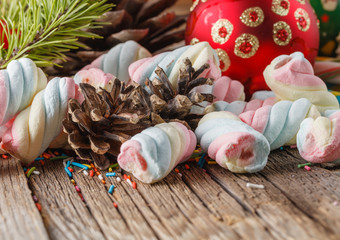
(134, 185)
(308, 168)
(4, 156)
(125, 176)
(70, 169)
(103, 181)
(186, 166)
(115, 204)
(176, 170)
(38, 206)
(91, 173)
(42, 162)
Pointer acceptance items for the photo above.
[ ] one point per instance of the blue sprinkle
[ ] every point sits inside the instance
(79, 165)
(68, 164)
(110, 174)
(281, 148)
(39, 158)
(201, 161)
(25, 169)
(111, 189)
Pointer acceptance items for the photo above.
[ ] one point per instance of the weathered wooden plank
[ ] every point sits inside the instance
(224, 206)
(64, 213)
(126, 222)
(314, 192)
(181, 211)
(281, 215)
(19, 217)
(158, 208)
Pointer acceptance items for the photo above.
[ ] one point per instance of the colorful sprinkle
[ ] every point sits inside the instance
(114, 165)
(86, 173)
(77, 188)
(110, 169)
(111, 189)
(30, 171)
(38, 206)
(253, 185)
(118, 179)
(115, 205)
(186, 166)
(91, 173)
(134, 185)
(110, 174)
(304, 164)
(103, 181)
(308, 168)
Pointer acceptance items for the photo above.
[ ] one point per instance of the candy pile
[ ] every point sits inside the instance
(239, 135)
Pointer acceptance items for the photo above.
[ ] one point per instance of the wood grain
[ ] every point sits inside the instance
(272, 204)
(19, 216)
(65, 215)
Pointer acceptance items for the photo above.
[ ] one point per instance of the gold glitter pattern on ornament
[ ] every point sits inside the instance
(282, 33)
(281, 7)
(252, 17)
(224, 59)
(302, 19)
(194, 4)
(194, 41)
(221, 31)
(301, 1)
(246, 45)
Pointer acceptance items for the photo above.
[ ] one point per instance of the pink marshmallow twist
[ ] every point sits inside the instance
(318, 140)
(153, 153)
(233, 144)
(34, 128)
(292, 77)
(238, 107)
(19, 83)
(281, 122)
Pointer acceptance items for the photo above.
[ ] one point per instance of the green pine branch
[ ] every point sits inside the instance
(43, 30)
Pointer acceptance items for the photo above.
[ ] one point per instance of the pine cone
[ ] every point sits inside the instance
(143, 21)
(168, 104)
(98, 126)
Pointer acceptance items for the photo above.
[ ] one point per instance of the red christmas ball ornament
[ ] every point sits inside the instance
(249, 34)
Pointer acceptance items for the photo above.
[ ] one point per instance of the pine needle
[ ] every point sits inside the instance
(44, 30)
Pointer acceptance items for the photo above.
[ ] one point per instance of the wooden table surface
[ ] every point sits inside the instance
(201, 203)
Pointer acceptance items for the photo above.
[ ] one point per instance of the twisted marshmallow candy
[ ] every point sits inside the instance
(318, 140)
(238, 107)
(19, 83)
(292, 77)
(232, 143)
(118, 59)
(34, 128)
(153, 153)
(280, 123)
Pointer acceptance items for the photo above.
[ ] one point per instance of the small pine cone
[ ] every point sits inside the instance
(97, 127)
(169, 103)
